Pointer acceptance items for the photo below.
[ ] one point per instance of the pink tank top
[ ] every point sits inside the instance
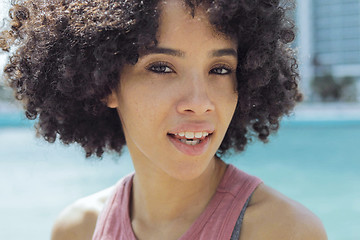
(216, 222)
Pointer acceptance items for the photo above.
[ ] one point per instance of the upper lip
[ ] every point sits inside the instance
(193, 127)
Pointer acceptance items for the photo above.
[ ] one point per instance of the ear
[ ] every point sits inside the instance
(111, 100)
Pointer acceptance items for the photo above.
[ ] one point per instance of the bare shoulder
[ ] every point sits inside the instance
(271, 215)
(77, 221)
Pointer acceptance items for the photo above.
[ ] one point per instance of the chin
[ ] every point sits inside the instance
(188, 171)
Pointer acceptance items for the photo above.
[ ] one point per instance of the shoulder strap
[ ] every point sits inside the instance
(236, 232)
(109, 220)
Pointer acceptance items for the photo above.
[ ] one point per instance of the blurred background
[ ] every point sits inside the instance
(314, 158)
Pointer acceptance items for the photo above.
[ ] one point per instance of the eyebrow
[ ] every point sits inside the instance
(224, 52)
(179, 53)
(167, 51)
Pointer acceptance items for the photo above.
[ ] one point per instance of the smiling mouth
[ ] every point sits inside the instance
(190, 139)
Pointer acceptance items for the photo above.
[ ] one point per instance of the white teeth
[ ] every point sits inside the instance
(192, 135)
(190, 142)
(193, 142)
(198, 134)
(189, 135)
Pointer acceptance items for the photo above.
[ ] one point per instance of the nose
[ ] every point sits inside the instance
(195, 98)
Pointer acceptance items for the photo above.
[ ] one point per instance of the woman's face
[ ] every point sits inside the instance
(176, 102)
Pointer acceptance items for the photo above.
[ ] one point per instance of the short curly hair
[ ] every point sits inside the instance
(69, 54)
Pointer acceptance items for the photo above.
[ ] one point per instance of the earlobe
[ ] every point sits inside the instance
(111, 100)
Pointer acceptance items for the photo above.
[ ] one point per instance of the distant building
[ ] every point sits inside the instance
(329, 39)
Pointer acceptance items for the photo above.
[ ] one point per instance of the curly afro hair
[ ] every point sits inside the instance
(68, 55)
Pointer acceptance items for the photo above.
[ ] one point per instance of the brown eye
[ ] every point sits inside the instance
(160, 68)
(221, 70)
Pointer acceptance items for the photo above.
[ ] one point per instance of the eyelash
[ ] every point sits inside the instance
(155, 68)
(160, 68)
(222, 67)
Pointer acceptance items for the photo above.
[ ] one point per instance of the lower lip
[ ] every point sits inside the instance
(191, 150)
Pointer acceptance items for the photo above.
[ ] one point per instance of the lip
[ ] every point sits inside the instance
(192, 150)
(193, 127)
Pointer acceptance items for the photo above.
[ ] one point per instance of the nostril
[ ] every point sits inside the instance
(195, 104)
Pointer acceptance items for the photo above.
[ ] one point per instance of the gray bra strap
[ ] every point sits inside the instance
(236, 232)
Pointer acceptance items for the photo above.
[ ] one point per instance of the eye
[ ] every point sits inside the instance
(221, 70)
(160, 67)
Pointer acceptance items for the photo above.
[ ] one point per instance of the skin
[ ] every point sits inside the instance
(193, 83)
(152, 103)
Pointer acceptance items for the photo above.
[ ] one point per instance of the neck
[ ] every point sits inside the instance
(161, 199)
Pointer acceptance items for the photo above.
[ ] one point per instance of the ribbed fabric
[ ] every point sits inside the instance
(216, 222)
(236, 232)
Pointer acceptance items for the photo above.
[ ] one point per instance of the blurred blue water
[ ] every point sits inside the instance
(14, 119)
(316, 163)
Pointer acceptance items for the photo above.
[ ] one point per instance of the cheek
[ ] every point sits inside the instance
(226, 99)
(140, 106)
(231, 103)
(225, 93)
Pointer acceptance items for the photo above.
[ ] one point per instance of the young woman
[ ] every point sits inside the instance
(180, 83)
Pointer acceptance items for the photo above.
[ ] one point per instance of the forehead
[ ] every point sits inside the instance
(177, 23)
